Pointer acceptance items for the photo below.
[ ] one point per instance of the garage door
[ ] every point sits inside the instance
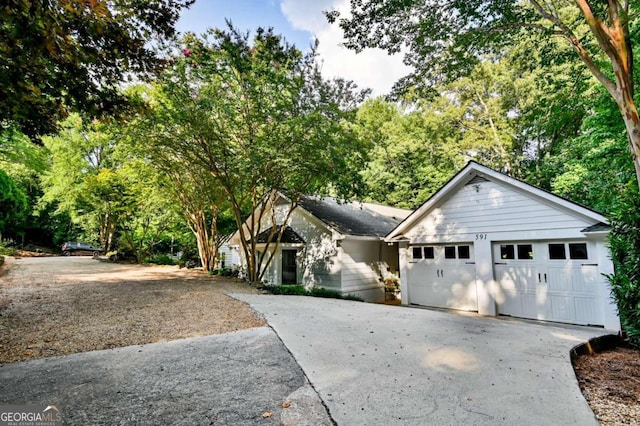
(443, 276)
(554, 281)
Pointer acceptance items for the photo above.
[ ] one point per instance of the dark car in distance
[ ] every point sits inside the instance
(68, 248)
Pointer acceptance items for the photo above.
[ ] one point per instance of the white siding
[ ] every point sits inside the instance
(363, 264)
(319, 258)
(493, 207)
(231, 256)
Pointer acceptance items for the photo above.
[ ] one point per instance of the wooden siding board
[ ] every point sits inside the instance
(494, 208)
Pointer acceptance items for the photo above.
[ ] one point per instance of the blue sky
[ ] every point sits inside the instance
(246, 15)
(300, 21)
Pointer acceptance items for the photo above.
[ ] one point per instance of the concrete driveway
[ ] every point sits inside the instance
(229, 379)
(382, 365)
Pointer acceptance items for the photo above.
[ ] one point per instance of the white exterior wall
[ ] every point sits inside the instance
(319, 261)
(486, 212)
(364, 262)
(497, 210)
(231, 256)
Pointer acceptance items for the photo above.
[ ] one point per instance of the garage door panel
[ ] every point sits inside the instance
(559, 279)
(561, 308)
(564, 290)
(529, 306)
(443, 282)
(586, 309)
(585, 280)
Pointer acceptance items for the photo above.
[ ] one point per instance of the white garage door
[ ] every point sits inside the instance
(554, 281)
(443, 276)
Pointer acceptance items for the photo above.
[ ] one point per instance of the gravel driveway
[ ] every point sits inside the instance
(62, 305)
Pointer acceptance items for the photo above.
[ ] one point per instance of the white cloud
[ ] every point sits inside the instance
(371, 68)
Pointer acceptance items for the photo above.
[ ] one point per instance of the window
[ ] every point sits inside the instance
(464, 252)
(578, 251)
(557, 252)
(525, 251)
(450, 252)
(429, 253)
(417, 252)
(507, 251)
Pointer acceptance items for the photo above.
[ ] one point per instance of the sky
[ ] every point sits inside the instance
(300, 22)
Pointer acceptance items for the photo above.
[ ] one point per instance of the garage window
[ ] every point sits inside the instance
(525, 251)
(429, 253)
(450, 252)
(507, 252)
(417, 252)
(578, 251)
(464, 252)
(557, 252)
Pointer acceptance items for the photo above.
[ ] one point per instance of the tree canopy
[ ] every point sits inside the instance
(444, 41)
(63, 55)
(258, 117)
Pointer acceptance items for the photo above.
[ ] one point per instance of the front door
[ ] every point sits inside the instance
(289, 267)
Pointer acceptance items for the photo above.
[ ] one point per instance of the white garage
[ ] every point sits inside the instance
(489, 243)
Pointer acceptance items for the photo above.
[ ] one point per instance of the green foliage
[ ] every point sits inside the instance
(416, 150)
(59, 55)
(7, 251)
(162, 259)
(13, 207)
(298, 290)
(624, 241)
(225, 272)
(591, 168)
(255, 116)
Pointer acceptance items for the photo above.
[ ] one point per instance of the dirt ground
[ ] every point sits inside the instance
(53, 306)
(610, 382)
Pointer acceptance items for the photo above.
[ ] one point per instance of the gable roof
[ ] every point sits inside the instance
(474, 173)
(354, 218)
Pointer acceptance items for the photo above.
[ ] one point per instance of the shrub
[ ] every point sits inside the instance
(624, 241)
(298, 290)
(162, 259)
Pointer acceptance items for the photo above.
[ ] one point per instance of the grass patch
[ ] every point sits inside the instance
(298, 290)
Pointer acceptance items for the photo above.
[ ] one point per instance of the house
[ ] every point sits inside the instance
(229, 254)
(489, 243)
(331, 244)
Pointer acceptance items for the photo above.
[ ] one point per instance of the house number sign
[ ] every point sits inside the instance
(481, 236)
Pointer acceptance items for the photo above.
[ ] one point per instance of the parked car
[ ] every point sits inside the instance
(68, 248)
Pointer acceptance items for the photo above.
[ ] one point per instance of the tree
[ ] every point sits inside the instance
(592, 167)
(13, 207)
(447, 39)
(258, 117)
(416, 150)
(203, 204)
(72, 54)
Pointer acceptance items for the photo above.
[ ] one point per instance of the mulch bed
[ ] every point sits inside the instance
(610, 382)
